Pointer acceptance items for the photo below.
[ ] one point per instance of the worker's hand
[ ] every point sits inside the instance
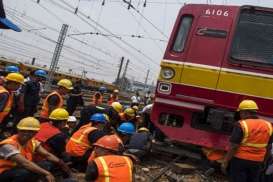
(65, 167)
(224, 166)
(50, 178)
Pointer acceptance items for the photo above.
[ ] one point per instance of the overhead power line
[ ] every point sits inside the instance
(108, 31)
(119, 36)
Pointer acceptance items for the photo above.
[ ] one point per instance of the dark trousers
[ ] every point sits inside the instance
(244, 170)
(19, 174)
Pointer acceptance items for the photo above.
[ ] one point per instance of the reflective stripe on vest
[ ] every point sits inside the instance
(45, 108)
(105, 169)
(130, 167)
(246, 134)
(84, 133)
(8, 104)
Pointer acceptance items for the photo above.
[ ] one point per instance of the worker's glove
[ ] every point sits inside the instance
(64, 167)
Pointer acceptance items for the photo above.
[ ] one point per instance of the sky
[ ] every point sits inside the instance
(98, 35)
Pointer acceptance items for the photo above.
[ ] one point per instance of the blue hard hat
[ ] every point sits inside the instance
(6, 23)
(127, 128)
(12, 69)
(41, 73)
(98, 118)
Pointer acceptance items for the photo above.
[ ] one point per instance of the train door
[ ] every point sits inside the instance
(206, 51)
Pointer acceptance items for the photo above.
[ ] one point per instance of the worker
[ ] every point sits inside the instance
(214, 154)
(109, 164)
(79, 146)
(113, 113)
(97, 98)
(140, 143)
(55, 99)
(113, 97)
(250, 142)
(129, 114)
(31, 92)
(213, 160)
(136, 99)
(12, 83)
(148, 98)
(8, 69)
(17, 152)
(75, 98)
(51, 136)
(125, 131)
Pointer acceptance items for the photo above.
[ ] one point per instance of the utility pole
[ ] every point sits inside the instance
(56, 55)
(33, 61)
(120, 67)
(124, 74)
(146, 79)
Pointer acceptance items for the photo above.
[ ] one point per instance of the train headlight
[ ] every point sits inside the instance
(167, 73)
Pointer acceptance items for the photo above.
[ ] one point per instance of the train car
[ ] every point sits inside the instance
(216, 57)
(86, 82)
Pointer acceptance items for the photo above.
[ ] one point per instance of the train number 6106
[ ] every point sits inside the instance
(217, 12)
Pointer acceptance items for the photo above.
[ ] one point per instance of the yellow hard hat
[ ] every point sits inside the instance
(29, 123)
(66, 84)
(15, 77)
(143, 129)
(247, 105)
(59, 114)
(117, 106)
(130, 112)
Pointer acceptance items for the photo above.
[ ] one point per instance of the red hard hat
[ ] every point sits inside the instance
(111, 142)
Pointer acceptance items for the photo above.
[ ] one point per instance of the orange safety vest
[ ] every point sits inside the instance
(78, 144)
(213, 154)
(45, 109)
(8, 105)
(257, 133)
(114, 168)
(112, 99)
(46, 132)
(27, 151)
(96, 101)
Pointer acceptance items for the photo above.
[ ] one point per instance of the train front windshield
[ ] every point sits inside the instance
(253, 41)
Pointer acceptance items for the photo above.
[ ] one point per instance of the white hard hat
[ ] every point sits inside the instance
(72, 119)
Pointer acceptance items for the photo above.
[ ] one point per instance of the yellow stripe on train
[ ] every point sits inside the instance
(234, 81)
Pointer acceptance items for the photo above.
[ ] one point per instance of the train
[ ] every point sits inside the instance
(85, 82)
(217, 56)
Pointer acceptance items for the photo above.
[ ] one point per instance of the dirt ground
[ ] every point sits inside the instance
(181, 171)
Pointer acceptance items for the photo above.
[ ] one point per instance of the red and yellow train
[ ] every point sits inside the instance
(216, 57)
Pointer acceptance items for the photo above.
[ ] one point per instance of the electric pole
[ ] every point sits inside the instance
(119, 71)
(146, 79)
(124, 74)
(56, 55)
